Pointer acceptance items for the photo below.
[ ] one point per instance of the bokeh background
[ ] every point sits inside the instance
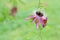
(17, 28)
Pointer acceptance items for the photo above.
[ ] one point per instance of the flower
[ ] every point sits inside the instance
(39, 18)
(13, 11)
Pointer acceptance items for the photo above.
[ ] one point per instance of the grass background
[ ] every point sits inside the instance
(19, 29)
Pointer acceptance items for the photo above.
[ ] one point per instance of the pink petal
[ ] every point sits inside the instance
(32, 16)
(37, 25)
(44, 21)
(34, 20)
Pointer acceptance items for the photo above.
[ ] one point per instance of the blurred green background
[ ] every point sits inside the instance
(17, 28)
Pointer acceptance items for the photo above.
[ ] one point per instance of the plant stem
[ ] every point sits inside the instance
(40, 35)
(39, 4)
(40, 32)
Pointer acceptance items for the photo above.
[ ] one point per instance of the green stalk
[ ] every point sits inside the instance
(39, 4)
(40, 33)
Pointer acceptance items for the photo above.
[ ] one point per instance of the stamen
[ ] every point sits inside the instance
(39, 14)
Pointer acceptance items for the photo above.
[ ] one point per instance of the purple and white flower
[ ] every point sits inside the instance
(39, 18)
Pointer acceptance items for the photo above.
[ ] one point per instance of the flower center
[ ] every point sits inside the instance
(39, 14)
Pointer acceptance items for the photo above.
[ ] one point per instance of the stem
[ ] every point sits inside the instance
(39, 4)
(56, 34)
(40, 34)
